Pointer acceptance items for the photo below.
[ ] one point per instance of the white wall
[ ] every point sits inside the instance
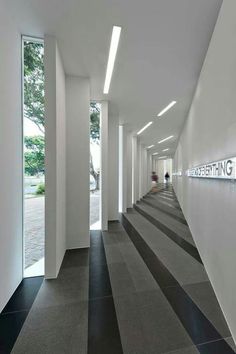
(55, 238)
(209, 135)
(11, 262)
(77, 161)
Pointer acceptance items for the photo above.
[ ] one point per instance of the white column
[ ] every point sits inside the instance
(134, 170)
(139, 161)
(149, 171)
(55, 197)
(104, 165)
(77, 164)
(113, 166)
(129, 169)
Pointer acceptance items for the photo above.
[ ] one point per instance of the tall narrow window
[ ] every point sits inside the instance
(34, 152)
(95, 167)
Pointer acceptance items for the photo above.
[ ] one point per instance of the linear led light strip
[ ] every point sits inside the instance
(112, 56)
(167, 108)
(162, 157)
(162, 141)
(149, 147)
(165, 150)
(145, 127)
(156, 153)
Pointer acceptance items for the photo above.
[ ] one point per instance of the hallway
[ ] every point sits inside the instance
(142, 289)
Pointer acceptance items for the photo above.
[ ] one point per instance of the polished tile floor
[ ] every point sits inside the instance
(141, 289)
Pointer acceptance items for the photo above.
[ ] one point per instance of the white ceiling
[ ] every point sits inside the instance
(162, 48)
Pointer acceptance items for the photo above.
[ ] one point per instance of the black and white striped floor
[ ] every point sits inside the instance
(141, 289)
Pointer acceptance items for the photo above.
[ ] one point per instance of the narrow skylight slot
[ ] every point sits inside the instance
(165, 150)
(149, 147)
(162, 141)
(170, 105)
(112, 57)
(145, 127)
(156, 153)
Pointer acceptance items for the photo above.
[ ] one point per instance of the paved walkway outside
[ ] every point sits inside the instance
(34, 230)
(34, 226)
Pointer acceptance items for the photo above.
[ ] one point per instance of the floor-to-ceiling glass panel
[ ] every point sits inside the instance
(95, 166)
(34, 152)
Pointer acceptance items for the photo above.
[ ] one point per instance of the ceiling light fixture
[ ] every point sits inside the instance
(112, 56)
(145, 127)
(167, 108)
(162, 157)
(162, 141)
(165, 150)
(156, 153)
(149, 147)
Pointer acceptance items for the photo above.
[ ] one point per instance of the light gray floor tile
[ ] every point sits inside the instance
(113, 254)
(148, 324)
(188, 350)
(54, 330)
(173, 211)
(114, 226)
(70, 286)
(76, 258)
(121, 280)
(204, 297)
(173, 256)
(174, 225)
(115, 237)
(140, 274)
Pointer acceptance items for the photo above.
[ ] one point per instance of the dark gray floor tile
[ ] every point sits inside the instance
(215, 347)
(104, 336)
(58, 329)
(148, 324)
(204, 297)
(230, 341)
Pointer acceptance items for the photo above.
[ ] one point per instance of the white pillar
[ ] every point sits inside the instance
(77, 164)
(104, 165)
(113, 166)
(149, 171)
(135, 185)
(55, 150)
(139, 169)
(129, 169)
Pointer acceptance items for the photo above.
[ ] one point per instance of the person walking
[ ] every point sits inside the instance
(167, 176)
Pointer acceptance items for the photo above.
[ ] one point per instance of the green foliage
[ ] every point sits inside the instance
(34, 83)
(34, 155)
(95, 122)
(41, 189)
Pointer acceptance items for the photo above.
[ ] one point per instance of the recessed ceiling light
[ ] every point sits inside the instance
(165, 150)
(156, 153)
(162, 157)
(145, 127)
(149, 147)
(112, 56)
(171, 104)
(162, 141)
